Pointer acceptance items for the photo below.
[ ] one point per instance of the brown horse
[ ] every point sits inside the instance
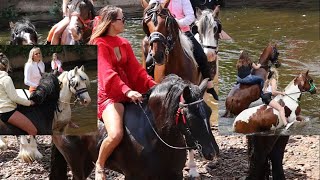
(263, 117)
(80, 27)
(242, 95)
(168, 48)
(155, 138)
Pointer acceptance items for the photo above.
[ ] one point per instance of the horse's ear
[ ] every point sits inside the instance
(12, 25)
(198, 12)
(75, 70)
(82, 68)
(307, 72)
(165, 4)
(216, 10)
(203, 86)
(144, 4)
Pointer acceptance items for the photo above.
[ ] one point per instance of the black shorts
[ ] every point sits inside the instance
(6, 116)
(266, 98)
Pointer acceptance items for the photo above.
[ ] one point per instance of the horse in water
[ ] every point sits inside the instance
(80, 27)
(172, 118)
(208, 35)
(23, 33)
(263, 117)
(170, 51)
(242, 95)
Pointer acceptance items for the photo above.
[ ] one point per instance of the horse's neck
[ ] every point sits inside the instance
(65, 94)
(293, 92)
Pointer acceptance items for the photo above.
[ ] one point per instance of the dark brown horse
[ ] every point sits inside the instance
(242, 95)
(168, 48)
(80, 27)
(155, 138)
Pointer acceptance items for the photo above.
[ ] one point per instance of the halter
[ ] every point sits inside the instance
(167, 41)
(182, 105)
(74, 85)
(312, 88)
(86, 23)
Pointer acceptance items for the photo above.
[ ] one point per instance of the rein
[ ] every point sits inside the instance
(179, 111)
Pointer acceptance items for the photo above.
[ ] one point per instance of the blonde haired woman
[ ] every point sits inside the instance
(56, 63)
(33, 69)
(270, 90)
(9, 100)
(121, 79)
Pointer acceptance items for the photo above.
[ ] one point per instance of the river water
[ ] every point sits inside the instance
(294, 28)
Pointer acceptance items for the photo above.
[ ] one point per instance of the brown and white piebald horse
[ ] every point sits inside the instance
(242, 95)
(263, 117)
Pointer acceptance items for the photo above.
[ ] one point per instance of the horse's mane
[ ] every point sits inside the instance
(47, 91)
(64, 76)
(204, 19)
(24, 25)
(167, 94)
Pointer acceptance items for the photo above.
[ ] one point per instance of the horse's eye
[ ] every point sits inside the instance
(311, 81)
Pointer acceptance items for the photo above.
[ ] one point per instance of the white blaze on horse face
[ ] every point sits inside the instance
(27, 38)
(73, 28)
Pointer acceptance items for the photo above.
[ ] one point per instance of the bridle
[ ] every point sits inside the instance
(179, 113)
(167, 41)
(73, 86)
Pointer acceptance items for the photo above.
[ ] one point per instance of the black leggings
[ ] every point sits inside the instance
(199, 56)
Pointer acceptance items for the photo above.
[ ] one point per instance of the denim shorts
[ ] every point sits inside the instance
(6, 116)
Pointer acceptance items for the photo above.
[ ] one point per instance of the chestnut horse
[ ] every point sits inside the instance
(80, 27)
(242, 95)
(168, 48)
(263, 117)
(155, 138)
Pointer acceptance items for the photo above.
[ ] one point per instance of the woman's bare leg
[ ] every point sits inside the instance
(59, 30)
(21, 121)
(112, 117)
(278, 107)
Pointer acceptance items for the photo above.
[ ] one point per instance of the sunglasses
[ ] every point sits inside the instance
(123, 19)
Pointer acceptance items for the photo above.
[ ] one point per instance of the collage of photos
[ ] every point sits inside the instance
(159, 89)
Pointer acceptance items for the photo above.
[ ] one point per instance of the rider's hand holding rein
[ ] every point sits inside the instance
(134, 96)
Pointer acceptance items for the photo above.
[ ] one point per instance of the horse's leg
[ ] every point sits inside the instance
(3, 142)
(58, 165)
(34, 149)
(191, 165)
(25, 153)
(257, 152)
(276, 157)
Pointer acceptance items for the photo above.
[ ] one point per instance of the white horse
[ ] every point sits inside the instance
(73, 82)
(263, 117)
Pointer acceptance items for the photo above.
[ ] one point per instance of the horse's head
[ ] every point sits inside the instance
(162, 30)
(186, 111)
(81, 12)
(209, 28)
(23, 33)
(270, 53)
(305, 83)
(77, 82)
(48, 89)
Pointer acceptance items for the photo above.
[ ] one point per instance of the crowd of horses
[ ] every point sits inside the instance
(173, 117)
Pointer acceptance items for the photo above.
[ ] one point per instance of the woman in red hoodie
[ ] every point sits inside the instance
(120, 78)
